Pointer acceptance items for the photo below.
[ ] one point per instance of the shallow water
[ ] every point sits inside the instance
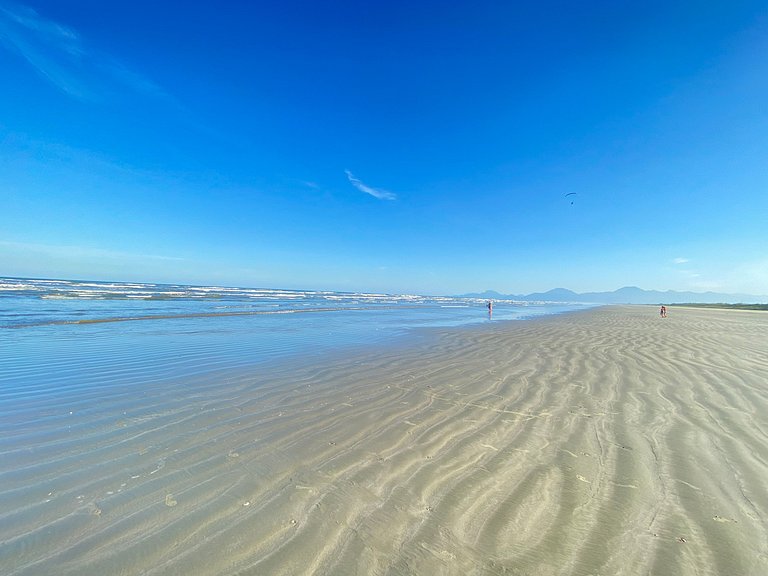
(57, 336)
(116, 400)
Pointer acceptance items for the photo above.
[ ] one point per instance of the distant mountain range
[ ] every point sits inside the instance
(626, 295)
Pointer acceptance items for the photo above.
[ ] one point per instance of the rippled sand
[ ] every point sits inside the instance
(602, 442)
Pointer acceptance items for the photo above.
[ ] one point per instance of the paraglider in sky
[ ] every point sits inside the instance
(571, 194)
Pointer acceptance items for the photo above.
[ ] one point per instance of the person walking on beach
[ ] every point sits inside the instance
(663, 311)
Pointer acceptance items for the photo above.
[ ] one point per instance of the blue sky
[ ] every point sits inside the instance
(421, 147)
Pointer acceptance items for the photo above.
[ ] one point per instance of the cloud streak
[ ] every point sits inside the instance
(71, 251)
(60, 55)
(375, 192)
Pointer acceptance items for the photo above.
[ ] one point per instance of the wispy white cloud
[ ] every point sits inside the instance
(51, 163)
(61, 56)
(82, 252)
(734, 276)
(375, 192)
(751, 277)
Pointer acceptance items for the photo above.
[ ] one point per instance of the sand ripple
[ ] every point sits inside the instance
(607, 441)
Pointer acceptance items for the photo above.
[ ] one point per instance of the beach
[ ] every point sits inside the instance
(605, 441)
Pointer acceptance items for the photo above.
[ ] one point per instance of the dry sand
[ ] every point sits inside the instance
(606, 442)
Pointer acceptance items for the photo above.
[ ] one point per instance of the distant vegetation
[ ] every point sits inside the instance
(727, 306)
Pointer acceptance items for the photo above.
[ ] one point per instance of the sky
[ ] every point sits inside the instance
(402, 146)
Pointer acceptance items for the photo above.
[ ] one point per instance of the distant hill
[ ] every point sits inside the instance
(626, 295)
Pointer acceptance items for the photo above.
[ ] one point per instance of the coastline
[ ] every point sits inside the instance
(724, 306)
(605, 440)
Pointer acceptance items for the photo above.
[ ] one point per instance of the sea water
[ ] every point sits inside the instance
(56, 334)
(62, 338)
(59, 338)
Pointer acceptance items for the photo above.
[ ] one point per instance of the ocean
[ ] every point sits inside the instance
(58, 334)
(104, 383)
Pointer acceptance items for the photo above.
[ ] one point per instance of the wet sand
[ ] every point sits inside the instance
(607, 441)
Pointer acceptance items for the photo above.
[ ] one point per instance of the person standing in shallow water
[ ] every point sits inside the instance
(490, 308)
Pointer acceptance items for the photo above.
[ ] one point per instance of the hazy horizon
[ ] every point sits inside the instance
(478, 293)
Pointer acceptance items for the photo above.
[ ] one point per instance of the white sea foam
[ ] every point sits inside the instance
(9, 287)
(167, 301)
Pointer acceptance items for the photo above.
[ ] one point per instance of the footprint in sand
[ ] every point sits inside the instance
(92, 509)
(580, 477)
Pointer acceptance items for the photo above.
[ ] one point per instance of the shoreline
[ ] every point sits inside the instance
(603, 440)
(724, 306)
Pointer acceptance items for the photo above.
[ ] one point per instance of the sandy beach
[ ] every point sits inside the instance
(607, 441)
